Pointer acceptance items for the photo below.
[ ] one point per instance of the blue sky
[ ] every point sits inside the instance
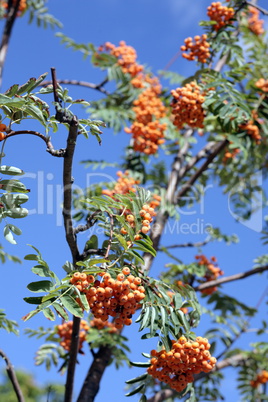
(156, 30)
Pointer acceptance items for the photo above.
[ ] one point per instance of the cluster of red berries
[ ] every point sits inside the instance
(123, 185)
(187, 106)
(118, 298)
(198, 48)
(178, 366)
(261, 378)
(147, 130)
(262, 84)
(254, 23)
(221, 14)
(126, 56)
(213, 272)
(65, 332)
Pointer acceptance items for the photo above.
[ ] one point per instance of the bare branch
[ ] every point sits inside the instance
(10, 20)
(197, 244)
(253, 4)
(91, 384)
(231, 278)
(217, 149)
(97, 87)
(50, 148)
(203, 153)
(12, 376)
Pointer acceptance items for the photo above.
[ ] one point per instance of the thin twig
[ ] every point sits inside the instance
(110, 237)
(217, 149)
(10, 20)
(197, 244)
(12, 376)
(262, 10)
(90, 222)
(97, 87)
(231, 278)
(50, 148)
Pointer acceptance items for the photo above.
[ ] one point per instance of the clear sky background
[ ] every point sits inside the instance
(156, 29)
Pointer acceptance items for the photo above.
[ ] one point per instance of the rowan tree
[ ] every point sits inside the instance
(185, 133)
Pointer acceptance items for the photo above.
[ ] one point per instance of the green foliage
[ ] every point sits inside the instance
(8, 325)
(38, 13)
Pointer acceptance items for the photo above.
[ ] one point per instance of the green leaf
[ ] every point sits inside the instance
(48, 313)
(71, 305)
(143, 398)
(140, 364)
(92, 243)
(17, 213)
(12, 102)
(144, 246)
(135, 391)
(35, 112)
(11, 170)
(61, 311)
(41, 270)
(31, 257)
(40, 286)
(8, 235)
(33, 300)
(137, 379)
(15, 229)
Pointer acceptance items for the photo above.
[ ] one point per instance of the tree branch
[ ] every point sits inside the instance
(217, 149)
(12, 376)
(50, 148)
(97, 87)
(262, 10)
(10, 20)
(91, 384)
(197, 244)
(231, 278)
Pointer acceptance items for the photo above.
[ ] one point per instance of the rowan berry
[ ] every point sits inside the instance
(254, 23)
(187, 106)
(221, 14)
(198, 48)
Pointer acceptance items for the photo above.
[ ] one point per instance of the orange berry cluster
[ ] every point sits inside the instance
(261, 378)
(118, 298)
(147, 130)
(252, 130)
(99, 324)
(187, 106)
(262, 84)
(178, 366)
(219, 13)
(198, 48)
(123, 185)
(146, 213)
(22, 5)
(126, 56)
(3, 127)
(230, 154)
(254, 23)
(213, 272)
(65, 332)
